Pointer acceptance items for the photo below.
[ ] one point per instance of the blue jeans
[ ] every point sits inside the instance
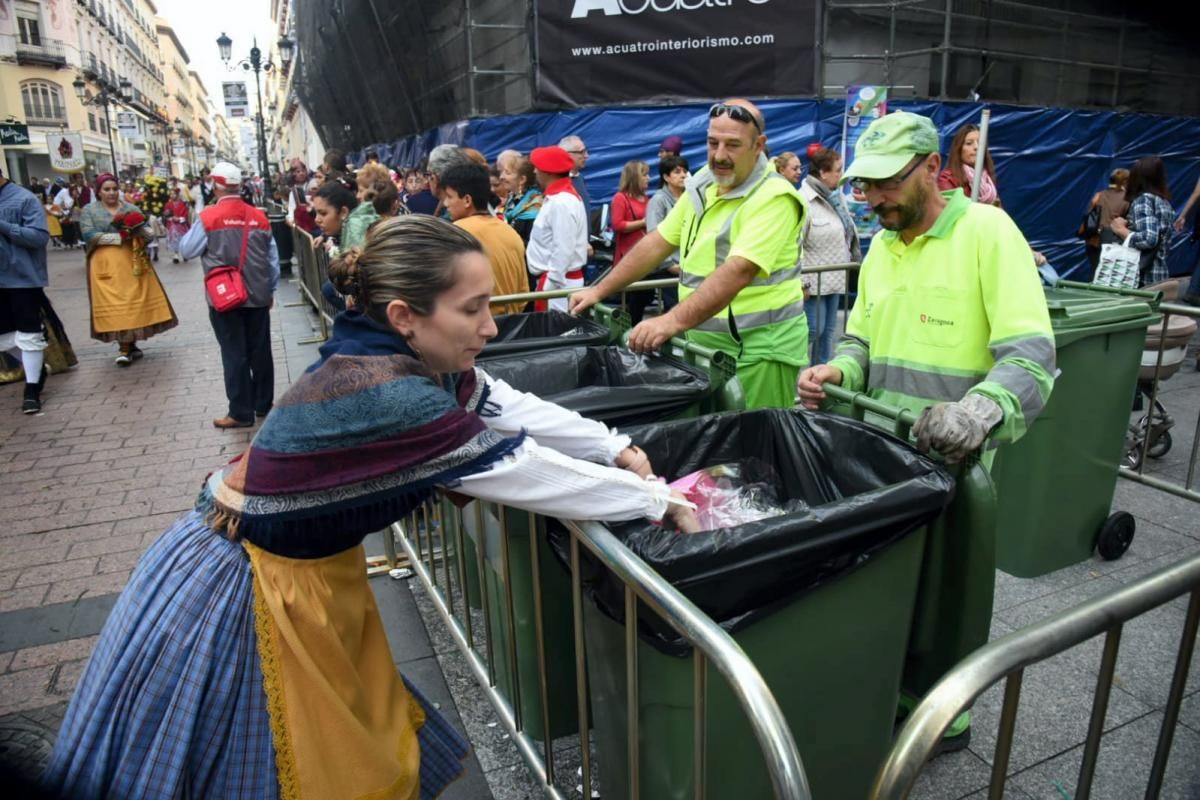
(822, 325)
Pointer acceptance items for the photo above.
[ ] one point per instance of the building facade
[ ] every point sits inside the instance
(106, 48)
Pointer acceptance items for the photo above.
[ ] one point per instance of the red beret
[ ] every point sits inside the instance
(554, 160)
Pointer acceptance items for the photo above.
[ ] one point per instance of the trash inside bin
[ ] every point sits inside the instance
(1074, 447)
(863, 490)
(820, 599)
(524, 333)
(609, 384)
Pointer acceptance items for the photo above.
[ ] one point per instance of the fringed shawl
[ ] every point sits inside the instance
(357, 442)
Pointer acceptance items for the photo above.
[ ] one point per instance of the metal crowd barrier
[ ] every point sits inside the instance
(312, 269)
(430, 543)
(1007, 657)
(1148, 436)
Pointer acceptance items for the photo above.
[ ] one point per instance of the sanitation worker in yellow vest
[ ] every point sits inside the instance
(737, 229)
(951, 323)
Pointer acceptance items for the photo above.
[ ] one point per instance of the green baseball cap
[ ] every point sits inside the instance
(889, 143)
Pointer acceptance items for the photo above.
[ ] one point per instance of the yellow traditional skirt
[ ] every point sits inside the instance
(330, 681)
(125, 307)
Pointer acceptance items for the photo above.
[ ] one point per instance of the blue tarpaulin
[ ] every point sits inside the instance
(1049, 161)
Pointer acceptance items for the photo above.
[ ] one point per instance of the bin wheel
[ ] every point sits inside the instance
(1161, 446)
(1116, 534)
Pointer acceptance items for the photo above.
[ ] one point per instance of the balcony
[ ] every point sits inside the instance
(50, 118)
(40, 52)
(91, 67)
(102, 17)
(92, 8)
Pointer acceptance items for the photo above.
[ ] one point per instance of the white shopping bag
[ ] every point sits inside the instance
(1120, 266)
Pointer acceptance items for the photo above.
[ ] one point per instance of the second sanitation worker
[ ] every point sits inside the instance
(737, 228)
(951, 323)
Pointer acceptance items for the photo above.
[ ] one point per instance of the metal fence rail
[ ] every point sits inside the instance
(1007, 657)
(432, 541)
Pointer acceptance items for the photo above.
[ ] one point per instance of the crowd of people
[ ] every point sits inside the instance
(271, 627)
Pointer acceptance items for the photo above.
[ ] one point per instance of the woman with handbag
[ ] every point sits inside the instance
(1096, 227)
(1151, 216)
(128, 303)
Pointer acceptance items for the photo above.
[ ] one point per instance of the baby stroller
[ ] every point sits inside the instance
(1155, 425)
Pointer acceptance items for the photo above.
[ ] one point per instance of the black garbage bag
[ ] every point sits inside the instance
(608, 384)
(523, 333)
(864, 489)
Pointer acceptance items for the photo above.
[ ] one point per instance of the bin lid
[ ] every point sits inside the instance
(1079, 313)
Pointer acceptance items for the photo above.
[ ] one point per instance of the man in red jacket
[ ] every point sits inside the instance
(231, 232)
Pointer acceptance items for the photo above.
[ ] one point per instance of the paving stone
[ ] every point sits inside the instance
(25, 689)
(48, 654)
(1123, 765)
(58, 571)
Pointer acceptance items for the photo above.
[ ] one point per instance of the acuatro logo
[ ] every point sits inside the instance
(613, 8)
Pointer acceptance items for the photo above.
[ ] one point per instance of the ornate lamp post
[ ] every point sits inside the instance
(257, 65)
(105, 97)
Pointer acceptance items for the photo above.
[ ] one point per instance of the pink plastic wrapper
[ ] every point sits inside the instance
(728, 495)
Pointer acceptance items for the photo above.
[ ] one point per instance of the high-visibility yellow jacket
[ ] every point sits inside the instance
(760, 221)
(961, 309)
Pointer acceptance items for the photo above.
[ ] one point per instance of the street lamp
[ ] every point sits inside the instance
(255, 63)
(105, 97)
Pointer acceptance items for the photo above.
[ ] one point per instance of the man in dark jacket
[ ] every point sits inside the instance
(232, 232)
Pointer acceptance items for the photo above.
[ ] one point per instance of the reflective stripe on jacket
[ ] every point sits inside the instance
(960, 309)
(709, 235)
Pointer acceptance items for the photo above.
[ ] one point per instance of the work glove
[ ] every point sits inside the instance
(957, 429)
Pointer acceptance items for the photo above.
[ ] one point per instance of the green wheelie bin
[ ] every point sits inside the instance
(1055, 484)
(821, 600)
(613, 386)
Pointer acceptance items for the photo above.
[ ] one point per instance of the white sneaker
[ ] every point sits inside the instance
(124, 359)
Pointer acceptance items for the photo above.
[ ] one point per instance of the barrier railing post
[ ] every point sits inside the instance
(514, 675)
(1104, 681)
(631, 687)
(540, 635)
(1183, 662)
(581, 694)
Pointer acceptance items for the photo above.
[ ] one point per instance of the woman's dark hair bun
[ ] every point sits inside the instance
(345, 275)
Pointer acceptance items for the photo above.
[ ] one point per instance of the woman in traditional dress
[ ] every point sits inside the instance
(128, 302)
(176, 215)
(246, 658)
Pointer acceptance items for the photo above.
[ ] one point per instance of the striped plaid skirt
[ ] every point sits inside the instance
(172, 702)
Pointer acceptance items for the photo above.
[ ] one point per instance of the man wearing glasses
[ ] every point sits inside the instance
(951, 322)
(578, 152)
(737, 235)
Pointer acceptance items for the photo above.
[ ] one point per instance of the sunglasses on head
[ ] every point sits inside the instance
(735, 113)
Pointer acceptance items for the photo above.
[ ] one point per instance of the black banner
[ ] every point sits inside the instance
(612, 51)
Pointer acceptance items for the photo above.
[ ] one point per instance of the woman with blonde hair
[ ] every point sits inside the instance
(371, 178)
(788, 165)
(524, 195)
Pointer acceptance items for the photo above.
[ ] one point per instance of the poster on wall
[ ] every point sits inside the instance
(864, 105)
(605, 51)
(237, 101)
(128, 127)
(66, 151)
